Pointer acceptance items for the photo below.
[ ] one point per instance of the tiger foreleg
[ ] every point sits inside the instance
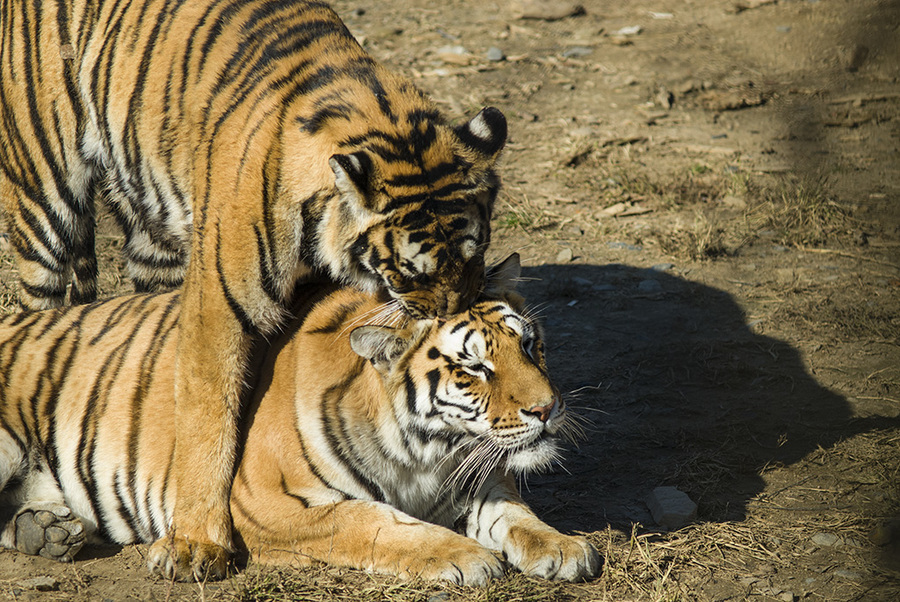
(364, 535)
(501, 520)
(211, 356)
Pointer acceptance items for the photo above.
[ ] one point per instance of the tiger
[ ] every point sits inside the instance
(371, 440)
(244, 146)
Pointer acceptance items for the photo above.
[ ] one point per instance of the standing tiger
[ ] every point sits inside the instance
(256, 139)
(364, 445)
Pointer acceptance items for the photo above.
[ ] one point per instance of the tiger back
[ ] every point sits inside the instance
(364, 446)
(243, 145)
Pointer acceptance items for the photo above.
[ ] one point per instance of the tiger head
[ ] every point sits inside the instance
(413, 212)
(479, 378)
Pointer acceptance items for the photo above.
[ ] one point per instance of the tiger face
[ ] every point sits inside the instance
(418, 232)
(480, 377)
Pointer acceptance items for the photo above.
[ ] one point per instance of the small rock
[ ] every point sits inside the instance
(845, 574)
(455, 55)
(565, 255)
(671, 508)
(826, 540)
(582, 132)
(733, 201)
(41, 584)
(632, 30)
(662, 267)
(649, 286)
(624, 246)
(495, 54)
(439, 597)
(545, 10)
(783, 29)
(577, 51)
(786, 596)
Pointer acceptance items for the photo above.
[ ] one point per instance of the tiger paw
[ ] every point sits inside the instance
(552, 555)
(183, 559)
(50, 530)
(461, 563)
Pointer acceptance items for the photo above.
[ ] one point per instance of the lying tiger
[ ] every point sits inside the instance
(390, 448)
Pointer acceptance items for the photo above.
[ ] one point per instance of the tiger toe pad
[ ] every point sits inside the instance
(49, 530)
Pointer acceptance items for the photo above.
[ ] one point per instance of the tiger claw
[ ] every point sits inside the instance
(182, 559)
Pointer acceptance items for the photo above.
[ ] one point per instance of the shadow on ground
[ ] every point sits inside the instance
(680, 390)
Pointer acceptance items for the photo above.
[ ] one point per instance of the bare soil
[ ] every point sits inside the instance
(708, 215)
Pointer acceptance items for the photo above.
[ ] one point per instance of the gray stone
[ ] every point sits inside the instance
(826, 540)
(565, 255)
(671, 508)
(649, 286)
(577, 51)
(545, 10)
(624, 246)
(495, 54)
(662, 267)
(41, 584)
(849, 575)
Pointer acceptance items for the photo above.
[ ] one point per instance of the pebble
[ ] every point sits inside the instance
(41, 584)
(845, 574)
(495, 54)
(662, 267)
(565, 255)
(546, 10)
(786, 596)
(826, 540)
(632, 30)
(577, 51)
(439, 597)
(649, 286)
(783, 29)
(671, 508)
(624, 246)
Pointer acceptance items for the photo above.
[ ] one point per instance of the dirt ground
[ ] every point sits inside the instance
(706, 204)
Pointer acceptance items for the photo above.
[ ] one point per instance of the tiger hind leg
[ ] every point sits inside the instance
(53, 240)
(50, 530)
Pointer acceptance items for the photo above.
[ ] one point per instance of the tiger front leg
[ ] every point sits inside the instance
(501, 520)
(211, 356)
(372, 536)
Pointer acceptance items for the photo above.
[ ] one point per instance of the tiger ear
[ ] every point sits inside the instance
(484, 133)
(503, 278)
(380, 345)
(353, 173)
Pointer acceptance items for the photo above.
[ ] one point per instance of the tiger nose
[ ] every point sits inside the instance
(542, 412)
